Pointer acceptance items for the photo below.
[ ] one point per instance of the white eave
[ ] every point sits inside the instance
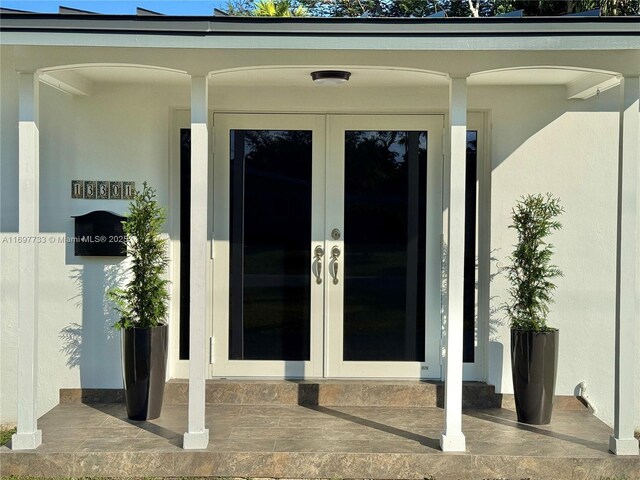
(535, 33)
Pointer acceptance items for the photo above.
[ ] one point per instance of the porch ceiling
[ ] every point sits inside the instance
(131, 74)
(300, 77)
(527, 76)
(369, 77)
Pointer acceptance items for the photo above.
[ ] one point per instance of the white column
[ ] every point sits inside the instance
(197, 436)
(452, 440)
(627, 371)
(28, 436)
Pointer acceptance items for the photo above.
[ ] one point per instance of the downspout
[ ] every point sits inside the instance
(585, 398)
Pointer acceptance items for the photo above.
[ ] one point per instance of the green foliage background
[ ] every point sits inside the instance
(422, 8)
(142, 303)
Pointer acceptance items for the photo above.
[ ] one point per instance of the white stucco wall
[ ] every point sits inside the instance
(100, 137)
(8, 223)
(538, 142)
(544, 143)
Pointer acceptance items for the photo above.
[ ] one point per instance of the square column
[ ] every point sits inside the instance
(28, 436)
(627, 371)
(452, 440)
(197, 436)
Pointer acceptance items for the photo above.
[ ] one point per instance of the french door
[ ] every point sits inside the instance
(327, 234)
(384, 195)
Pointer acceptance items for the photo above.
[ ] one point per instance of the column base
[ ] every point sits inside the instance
(196, 441)
(26, 441)
(623, 446)
(452, 443)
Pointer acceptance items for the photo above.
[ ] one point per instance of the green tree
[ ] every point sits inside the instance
(423, 8)
(142, 303)
(240, 8)
(563, 7)
(531, 272)
(278, 8)
(373, 8)
(610, 7)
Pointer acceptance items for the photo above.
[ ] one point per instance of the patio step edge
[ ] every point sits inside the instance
(313, 465)
(476, 395)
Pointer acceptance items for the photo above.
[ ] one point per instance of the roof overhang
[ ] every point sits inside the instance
(493, 33)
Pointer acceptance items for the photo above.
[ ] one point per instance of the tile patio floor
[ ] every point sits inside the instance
(319, 442)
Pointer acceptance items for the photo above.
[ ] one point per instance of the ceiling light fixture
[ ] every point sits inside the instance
(330, 77)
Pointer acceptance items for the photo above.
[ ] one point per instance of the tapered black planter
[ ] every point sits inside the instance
(144, 366)
(534, 361)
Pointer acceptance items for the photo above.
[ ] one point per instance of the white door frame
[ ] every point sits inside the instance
(327, 212)
(222, 366)
(474, 371)
(334, 365)
(180, 119)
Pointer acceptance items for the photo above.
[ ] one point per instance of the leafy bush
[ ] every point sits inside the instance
(531, 272)
(5, 435)
(142, 303)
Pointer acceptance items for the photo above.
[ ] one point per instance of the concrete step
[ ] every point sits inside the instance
(357, 393)
(317, 442)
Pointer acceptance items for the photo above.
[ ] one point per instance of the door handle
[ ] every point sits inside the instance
(318, 253)
(335, 253)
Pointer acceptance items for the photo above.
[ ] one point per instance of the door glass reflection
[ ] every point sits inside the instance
(384, 234)
(270, 228)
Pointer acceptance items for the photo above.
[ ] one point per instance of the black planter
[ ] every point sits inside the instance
(534, 361)
(144, 365)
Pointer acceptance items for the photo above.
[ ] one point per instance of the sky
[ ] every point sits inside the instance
(169, 7)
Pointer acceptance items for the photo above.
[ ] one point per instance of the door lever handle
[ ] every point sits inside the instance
(335, 253)
(318, 253)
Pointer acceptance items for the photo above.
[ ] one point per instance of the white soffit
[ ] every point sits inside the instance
(526, 76)
(301, 77)
(128, 74)
(289, 77)
(579, 84)
(82, 80)
(68, 81)
(591, 84)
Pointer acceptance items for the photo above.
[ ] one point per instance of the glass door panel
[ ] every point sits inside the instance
(268, 218)
(270, 303)
(384, 224)
(384, 196)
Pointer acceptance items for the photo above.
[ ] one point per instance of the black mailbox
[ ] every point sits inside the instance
(99, 233)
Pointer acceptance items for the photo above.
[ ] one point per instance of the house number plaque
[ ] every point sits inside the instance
(102, 189)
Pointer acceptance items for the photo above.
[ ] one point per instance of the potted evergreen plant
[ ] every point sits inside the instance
(142, 307)
(534, 345)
